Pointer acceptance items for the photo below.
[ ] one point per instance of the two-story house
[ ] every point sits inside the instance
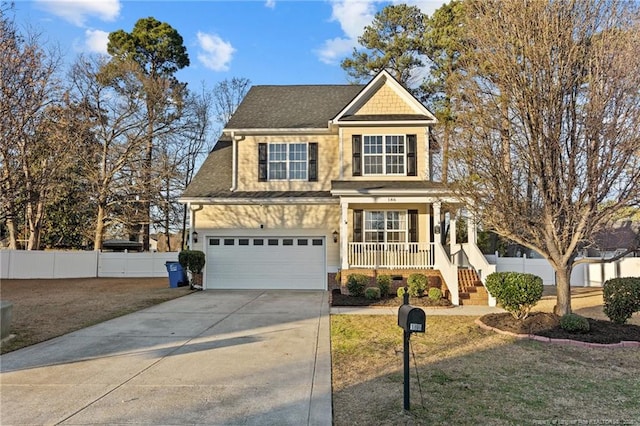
(309, 180)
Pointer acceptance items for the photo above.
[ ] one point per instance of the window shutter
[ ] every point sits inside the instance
(357, 226)
(262, 162)
(313, 162)
(356, 162)
(412, 168)
(413, 226)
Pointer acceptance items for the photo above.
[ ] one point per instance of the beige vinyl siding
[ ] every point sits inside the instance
(248, 163)
(421, 142)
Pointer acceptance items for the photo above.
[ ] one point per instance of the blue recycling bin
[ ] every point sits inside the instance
(177, 275)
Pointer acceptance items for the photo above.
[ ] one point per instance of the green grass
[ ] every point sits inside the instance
(470, 376)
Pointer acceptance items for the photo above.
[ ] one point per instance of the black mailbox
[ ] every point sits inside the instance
(412, 319)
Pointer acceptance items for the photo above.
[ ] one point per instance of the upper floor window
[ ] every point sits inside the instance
(384, 155)
(287, 161)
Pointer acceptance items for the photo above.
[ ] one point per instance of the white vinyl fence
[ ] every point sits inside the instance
(25, 264)
(583, 274)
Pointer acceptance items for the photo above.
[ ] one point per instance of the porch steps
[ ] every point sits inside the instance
(470, 288)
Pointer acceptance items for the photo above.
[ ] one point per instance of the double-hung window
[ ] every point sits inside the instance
(287, 161)
(384, 155)
(385, 226)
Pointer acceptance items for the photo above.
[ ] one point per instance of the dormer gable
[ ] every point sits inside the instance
(383, 100)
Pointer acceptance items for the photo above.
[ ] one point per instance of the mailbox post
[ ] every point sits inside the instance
(411, 320)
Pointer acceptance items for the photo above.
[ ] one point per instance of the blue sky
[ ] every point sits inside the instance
(266, 41)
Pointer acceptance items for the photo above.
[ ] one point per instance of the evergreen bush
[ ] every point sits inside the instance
(372, 293)
(621, 298)
(417, 284)
(516, 292)
(384, 283)
(435, 294)
(574, 323)
(356, 284)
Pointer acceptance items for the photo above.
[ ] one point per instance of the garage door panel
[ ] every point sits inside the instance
(296, 262)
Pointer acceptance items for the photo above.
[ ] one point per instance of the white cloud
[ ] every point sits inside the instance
(352, 16)
(78, 11)
(270, 4)
(215, 53)
(426, 6)
(335, 49)
(96, 41)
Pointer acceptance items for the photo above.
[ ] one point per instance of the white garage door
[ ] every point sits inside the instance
(266, 263)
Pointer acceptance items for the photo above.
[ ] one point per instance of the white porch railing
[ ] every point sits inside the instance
(391, 255)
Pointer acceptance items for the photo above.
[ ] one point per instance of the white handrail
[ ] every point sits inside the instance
(391, 255)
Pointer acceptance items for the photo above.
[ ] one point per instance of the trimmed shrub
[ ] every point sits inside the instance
(621, 298)
(356, 284)
(574, 323)
(517, 293)
(384, 283)
(435, 294)
(372, 293)
(193, 260)
(400, 292)
(417, 284)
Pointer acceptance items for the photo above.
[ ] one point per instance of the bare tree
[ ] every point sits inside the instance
(28, 89)
(227, 95)
(549, 123)
(117, 121)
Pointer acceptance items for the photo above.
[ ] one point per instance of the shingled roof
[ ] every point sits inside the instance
(214, 176)
(213, 180)
(292, 107)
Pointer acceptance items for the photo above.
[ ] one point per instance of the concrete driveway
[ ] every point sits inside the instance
(223, 358)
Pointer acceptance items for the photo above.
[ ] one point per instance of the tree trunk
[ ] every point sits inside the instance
(13, 233)
(97, 241)
(563, 291)
(34, 218)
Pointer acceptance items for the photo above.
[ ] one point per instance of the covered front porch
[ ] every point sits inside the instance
(402, 227)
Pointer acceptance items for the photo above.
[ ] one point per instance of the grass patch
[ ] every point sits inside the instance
(470, 376)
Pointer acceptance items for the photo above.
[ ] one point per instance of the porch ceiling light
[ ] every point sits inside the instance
(335, 236)
(194, 236)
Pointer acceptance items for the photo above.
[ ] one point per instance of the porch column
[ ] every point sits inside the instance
(472, 236)
(344, 235)
(452, 232)
(436, 222)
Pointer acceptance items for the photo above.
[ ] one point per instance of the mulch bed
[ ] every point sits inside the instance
(338, 299)
(548, 325)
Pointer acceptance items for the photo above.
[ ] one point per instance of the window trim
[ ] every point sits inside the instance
(287, 162)
(384, 155)
(385, 231)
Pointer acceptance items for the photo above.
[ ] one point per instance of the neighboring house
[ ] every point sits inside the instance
(621, 237)
(310, 180)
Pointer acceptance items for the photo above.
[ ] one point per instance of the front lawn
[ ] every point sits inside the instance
(470, 376)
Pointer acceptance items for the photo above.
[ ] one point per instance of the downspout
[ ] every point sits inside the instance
(234, 162)
(192, 221)
(341, 154)
(427, 157)
(234, 177)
